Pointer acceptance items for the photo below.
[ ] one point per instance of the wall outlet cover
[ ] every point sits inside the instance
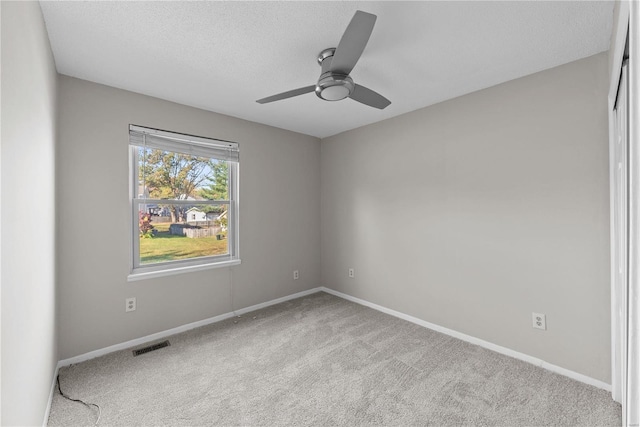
(539, 321)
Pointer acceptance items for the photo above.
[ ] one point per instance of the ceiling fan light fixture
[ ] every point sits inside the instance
(334, 87)
(333, 93)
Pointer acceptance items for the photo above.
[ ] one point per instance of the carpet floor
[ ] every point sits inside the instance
(323, 361)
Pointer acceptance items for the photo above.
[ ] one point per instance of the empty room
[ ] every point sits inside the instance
(221, 213)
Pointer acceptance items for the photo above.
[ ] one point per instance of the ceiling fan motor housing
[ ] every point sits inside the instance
(332, 86)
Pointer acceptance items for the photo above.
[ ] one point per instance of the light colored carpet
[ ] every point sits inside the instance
(324, 361)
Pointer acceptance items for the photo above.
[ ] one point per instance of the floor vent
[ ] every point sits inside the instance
(151, 348)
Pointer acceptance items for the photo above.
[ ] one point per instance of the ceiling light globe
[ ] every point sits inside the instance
(334, 93)
(334, 87)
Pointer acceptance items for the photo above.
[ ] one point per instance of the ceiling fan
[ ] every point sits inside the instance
(334, 83)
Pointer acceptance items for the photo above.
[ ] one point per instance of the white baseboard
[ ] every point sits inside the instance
(278, 300)
(173, 331)
(53, 387)
(473, 340)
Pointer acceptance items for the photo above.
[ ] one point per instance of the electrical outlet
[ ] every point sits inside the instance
(539, 321)
(352, 273)
(296, 274)
(130, 304)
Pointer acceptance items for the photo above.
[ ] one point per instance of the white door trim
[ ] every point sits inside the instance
(625, 300)
(617, 327)
(631, 410)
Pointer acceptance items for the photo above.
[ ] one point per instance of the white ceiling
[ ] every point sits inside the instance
(222, 56)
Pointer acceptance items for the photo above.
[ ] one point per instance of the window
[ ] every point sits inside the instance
(184, 198)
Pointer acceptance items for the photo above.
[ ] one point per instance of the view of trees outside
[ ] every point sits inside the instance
(170, 231)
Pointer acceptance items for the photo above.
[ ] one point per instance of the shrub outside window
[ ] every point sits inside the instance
(184, 198)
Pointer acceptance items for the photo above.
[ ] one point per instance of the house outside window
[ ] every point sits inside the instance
(184, 199)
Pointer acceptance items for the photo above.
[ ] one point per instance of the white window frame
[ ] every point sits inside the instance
(208, 147)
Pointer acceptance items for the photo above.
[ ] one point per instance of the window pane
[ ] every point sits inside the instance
(172, 175)
(171, 232)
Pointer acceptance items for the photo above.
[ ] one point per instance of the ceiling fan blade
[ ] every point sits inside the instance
(288, 94)
(353, 42)
(369, 97)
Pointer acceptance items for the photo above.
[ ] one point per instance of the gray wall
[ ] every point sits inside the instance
(473, 213)
(29, 339)
(279, 219)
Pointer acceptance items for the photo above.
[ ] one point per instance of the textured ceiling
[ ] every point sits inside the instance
(222, 56)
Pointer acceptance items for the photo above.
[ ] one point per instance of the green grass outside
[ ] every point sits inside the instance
(167, 247)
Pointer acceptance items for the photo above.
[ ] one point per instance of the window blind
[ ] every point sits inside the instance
(181, 143)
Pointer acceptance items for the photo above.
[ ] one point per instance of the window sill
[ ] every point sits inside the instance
(134, 277)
